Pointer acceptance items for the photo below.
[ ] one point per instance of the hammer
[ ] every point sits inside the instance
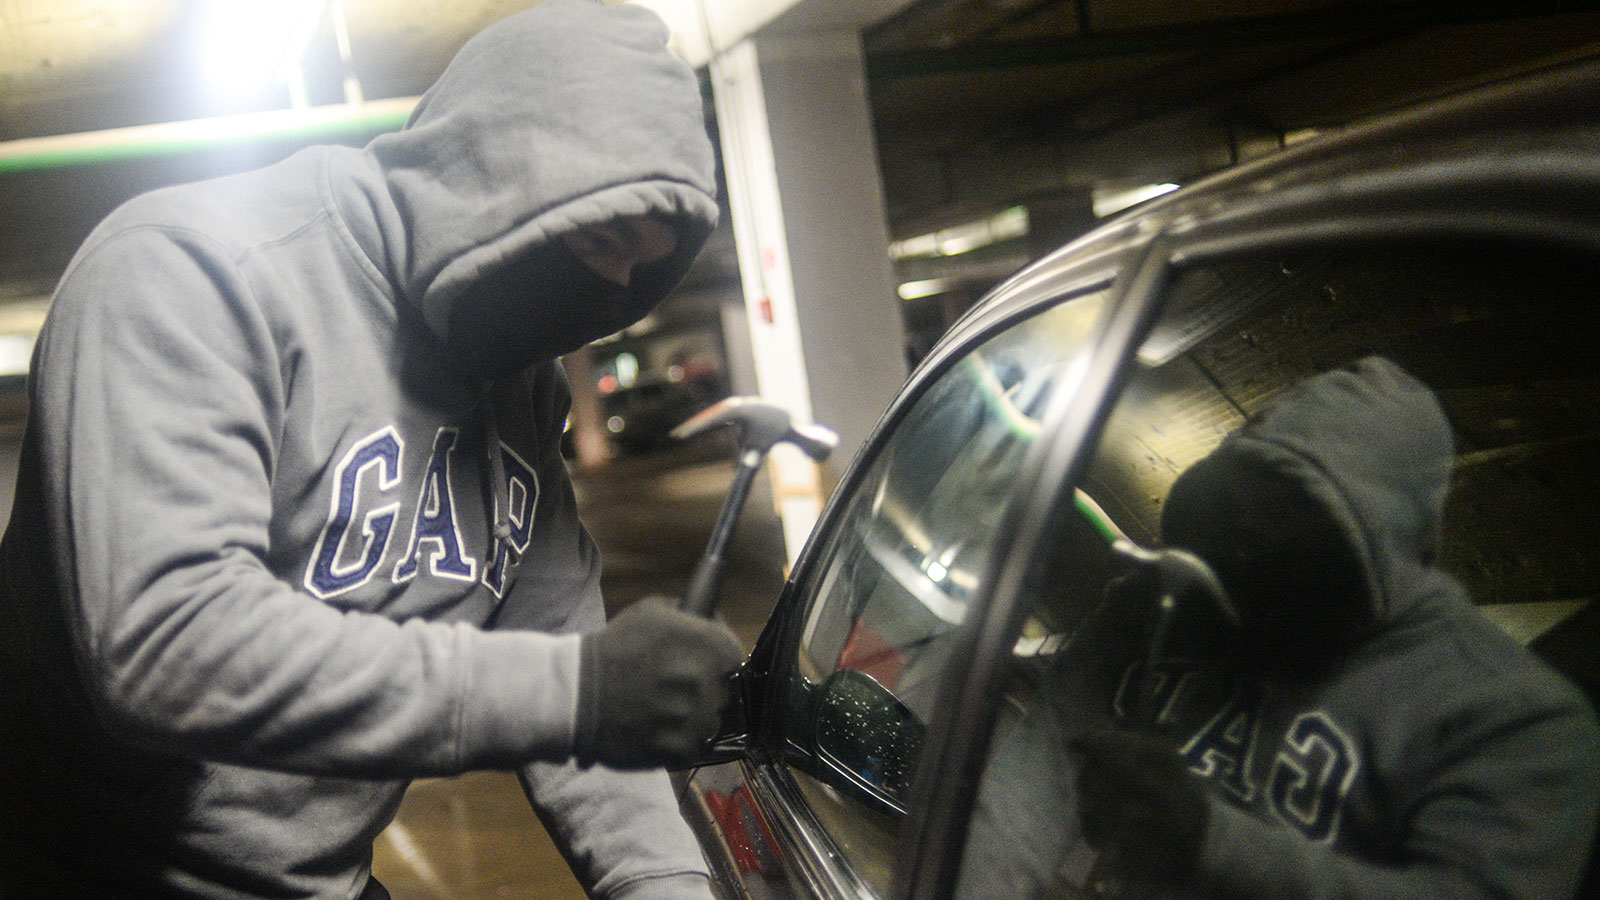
(762, 426)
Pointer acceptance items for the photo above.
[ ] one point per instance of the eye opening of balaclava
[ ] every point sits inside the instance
(1282, 556)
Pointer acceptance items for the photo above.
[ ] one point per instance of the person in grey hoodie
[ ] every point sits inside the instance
(292, 526)
(1364, 733)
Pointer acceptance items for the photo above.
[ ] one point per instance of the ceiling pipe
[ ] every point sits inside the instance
(312, 124)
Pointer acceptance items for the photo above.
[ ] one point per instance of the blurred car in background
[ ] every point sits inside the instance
(651, 383)
(868, 756)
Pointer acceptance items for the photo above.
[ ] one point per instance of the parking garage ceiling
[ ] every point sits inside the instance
(980, 105)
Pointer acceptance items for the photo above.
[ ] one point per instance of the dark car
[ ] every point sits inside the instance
(971, 538)
(647, 385)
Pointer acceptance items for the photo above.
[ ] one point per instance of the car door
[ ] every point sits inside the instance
(942, 636)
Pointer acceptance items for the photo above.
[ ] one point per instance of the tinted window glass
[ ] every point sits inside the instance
(1319, 749)
(901, 568)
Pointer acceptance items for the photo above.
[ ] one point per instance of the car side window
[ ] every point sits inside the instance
(1503, 334)
(899, 571)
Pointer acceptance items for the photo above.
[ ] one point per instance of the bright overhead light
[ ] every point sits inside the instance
(627, 369)
(912, 290)
(248, 44)
(16, 351)
(20, 322)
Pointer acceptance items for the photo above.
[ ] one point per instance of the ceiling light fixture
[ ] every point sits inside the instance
(913, 290)
(249, 43)
(1002, 226)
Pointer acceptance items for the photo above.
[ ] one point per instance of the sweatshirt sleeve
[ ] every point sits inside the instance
(158, 392)
(621, 832)
(1508, 812)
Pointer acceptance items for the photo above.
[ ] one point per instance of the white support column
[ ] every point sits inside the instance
(809, 222)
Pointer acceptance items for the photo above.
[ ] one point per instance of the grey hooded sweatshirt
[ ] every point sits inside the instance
(1435, 759)
(273, 554)
(1432, 758)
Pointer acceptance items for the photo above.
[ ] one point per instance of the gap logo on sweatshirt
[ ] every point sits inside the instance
(366, 506)
(1309, 776)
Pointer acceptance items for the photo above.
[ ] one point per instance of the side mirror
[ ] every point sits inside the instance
(868, 737)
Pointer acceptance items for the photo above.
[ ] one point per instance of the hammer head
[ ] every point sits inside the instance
(1180, 572)
(762, 425)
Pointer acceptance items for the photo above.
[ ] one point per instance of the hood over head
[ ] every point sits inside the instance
(1346, 474)
(565, 115)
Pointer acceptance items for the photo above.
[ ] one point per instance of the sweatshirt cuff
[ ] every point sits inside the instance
(519, 699)
(679, 886)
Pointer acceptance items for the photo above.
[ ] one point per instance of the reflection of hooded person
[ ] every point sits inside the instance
(293, 527)
(1367, 733)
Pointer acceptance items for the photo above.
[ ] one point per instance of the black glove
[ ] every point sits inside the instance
(1142, 808)
(652, 686)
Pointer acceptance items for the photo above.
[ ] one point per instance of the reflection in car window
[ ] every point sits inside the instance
(901, 568)
(1459, 784)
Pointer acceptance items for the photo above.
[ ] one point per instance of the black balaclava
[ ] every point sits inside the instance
(541, 305)
(1282, 557)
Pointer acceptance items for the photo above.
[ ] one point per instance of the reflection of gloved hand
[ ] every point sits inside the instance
(1142, 808)
(652, 686)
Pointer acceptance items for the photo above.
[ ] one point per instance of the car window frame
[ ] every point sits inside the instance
(773, 663)
(1408, 202)
(964, 714)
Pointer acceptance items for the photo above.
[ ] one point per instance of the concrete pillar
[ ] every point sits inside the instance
(809, 222)
(590, 444)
